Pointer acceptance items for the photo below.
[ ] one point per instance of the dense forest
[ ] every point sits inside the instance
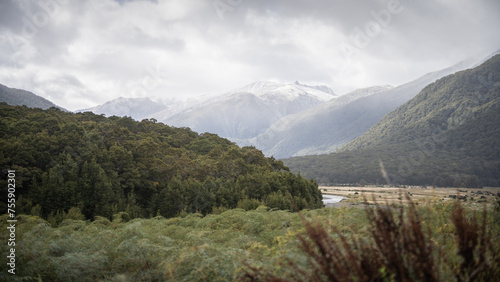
(91, 165)
(448, 135)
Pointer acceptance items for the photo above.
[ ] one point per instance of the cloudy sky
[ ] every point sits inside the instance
(80, 54)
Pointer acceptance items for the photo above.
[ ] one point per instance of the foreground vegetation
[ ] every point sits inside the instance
(343, 244)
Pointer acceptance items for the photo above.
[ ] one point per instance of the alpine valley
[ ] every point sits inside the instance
(281, 119)
(409, 132)
(232, 140)
(448, 136)
(117, 199)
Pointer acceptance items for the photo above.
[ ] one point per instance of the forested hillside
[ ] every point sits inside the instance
(102, 166)
(448, 135)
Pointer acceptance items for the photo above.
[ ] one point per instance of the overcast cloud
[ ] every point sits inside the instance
(82, 53)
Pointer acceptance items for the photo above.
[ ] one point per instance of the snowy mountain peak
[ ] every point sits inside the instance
(323, 88)
(290, 90)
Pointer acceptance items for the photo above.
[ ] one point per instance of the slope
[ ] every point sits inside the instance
(306, 132)
(19, 97)
(325, 128)
(445, 105)
(246, 112)
(448, 135)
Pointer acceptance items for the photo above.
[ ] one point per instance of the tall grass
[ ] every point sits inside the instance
(399, 247)
(435, 242)
(190, 248)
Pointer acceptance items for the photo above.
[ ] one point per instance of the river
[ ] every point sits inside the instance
(330, 199)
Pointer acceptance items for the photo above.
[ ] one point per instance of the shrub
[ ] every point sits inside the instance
(399, 247)
(121, 217)
(74, 213)
(249, 204)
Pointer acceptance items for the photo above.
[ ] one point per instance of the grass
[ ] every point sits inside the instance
(449, 241)
(403, 244)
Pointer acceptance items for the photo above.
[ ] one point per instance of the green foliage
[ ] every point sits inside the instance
(448, 135)
(70, 165)
(190, 248)
(229, 245)
(248, 204)
(399, 246)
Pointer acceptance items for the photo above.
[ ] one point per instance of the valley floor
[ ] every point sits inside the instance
(474, 197)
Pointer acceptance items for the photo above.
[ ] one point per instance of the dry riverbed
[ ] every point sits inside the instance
(394, 195)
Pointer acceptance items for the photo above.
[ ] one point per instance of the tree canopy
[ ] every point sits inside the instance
(103, 166)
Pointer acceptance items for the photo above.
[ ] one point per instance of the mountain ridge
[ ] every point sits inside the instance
(20, 97)
(245, 112)
(276, 143)
(137, 108)
(328, 129)
(447, 135)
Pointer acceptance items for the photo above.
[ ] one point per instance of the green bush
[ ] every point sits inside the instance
(248, 204)
(261, 244)
(399, 246)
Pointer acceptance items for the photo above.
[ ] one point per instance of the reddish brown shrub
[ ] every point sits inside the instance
(397, 249)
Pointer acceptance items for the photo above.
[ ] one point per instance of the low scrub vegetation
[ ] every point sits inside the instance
(439, 241)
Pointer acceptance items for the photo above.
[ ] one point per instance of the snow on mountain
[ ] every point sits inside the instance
(269, 90)
(327, 127)
(173, 107)
(137, 108)
(245, 112)
(322, 88)
(242, 113)
(291, 134)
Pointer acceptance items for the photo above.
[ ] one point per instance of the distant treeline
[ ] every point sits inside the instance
(101, 166)
(368, 167)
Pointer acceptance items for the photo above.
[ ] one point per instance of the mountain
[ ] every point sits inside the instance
(448, 135)
(19, 97)
(288, 90)
(322, 88)
(248, 111)
(327, 127)
(137, 108)
(305, 133)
